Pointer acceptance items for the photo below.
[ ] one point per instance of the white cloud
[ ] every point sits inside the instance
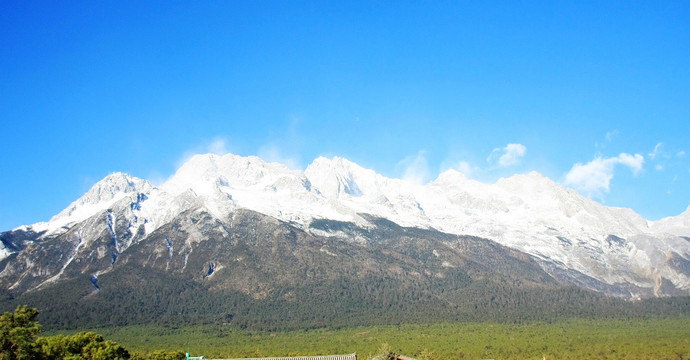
(609, 137)
(218, 146)
(415, 168)
(272, 153)
(634, 162)
(462, 166)
(657, 151)
(456, 163)
(284, 144)
(595, 176)
(680, 154)
(466, 169)
(611, 134)
(156, 178)
(499, 160)
(507, 156)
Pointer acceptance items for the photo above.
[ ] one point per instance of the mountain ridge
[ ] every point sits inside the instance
(565, 231)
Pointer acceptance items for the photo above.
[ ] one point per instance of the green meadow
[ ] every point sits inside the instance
(567, 339)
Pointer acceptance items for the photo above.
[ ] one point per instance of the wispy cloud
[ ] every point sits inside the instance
(415, 168)
(499, 161)
(273, 153)
(658, 151)
(466, 169)
(595, 177)
(608, 139)
(462, 166)
(611, 135)
(284, 144)
(217, 145)
(507, 156)
(156, 178)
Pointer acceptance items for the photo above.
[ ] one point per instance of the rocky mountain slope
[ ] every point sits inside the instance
(263, 231)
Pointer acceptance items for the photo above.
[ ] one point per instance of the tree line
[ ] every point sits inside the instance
(19, 340)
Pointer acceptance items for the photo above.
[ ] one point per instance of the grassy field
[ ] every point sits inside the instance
(573, 339)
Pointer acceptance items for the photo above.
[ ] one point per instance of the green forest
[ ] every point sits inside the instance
(19, 340)
(567, 339)
(169, 300)
(650, 338)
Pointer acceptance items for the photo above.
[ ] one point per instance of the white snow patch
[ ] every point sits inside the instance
(325, 251)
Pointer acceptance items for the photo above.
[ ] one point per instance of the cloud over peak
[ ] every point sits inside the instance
(415, 168)
(594, 177)
(507, 156)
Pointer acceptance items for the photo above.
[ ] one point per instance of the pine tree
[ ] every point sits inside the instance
(18, 333)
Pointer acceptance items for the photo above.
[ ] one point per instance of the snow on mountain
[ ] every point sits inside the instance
(4, 251)
(528, 212)
(100, 197)
(676, 225)
(352, 190)
(224, 182)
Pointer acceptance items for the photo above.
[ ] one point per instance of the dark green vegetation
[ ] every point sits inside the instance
(167, 300)
(18, 333)
(568, 339)
(19, 341)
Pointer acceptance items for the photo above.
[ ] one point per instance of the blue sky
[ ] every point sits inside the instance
(593, 94)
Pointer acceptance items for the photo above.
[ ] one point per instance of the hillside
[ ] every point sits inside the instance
(240, 241)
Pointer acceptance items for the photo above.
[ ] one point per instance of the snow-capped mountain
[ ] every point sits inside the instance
(574, 239)
(101, 196)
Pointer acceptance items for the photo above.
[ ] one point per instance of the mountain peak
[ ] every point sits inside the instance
(223, 181)
(104, 193)
(451, 176)
(229, 169)
(111, 187)
(532, 182)
(530, 177)
(337, 176)
(335, 162)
